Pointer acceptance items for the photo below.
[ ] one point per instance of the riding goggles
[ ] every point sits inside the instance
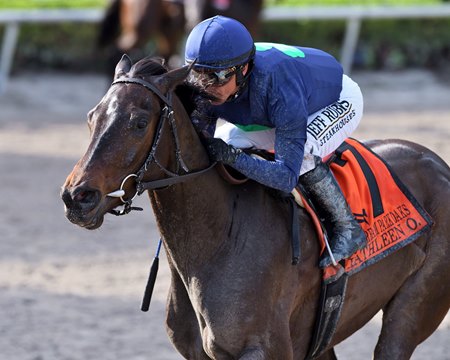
(213, 78)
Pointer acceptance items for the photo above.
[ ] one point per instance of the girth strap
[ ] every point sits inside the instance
(332, 296)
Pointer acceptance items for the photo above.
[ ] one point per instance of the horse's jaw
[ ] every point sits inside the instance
(89, 223)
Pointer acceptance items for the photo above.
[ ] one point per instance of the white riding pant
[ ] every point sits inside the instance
(326, 129)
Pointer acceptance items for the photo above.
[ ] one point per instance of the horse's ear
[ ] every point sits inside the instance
(123, 66)
(172, 78)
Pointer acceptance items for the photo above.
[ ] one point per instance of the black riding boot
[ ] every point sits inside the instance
(346, 234)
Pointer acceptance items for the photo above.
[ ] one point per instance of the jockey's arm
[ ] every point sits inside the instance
(283, 173)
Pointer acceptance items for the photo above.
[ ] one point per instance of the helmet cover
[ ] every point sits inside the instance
(219, 43)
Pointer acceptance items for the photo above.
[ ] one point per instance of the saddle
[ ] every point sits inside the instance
(388, 213)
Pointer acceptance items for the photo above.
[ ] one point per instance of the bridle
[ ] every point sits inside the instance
(167, 115)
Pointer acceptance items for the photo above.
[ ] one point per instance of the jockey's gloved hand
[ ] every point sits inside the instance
(219, 150)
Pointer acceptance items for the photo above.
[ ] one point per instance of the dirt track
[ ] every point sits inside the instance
(68, 293)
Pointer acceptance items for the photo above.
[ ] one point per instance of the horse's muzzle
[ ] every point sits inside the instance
(81, 206)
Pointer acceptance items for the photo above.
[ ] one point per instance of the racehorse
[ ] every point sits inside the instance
(234, 293)
(128, 25)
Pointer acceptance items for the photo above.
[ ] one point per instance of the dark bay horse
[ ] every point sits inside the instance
(234, 293)
(128, 25)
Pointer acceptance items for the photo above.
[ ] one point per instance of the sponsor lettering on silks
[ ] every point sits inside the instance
(333, 118)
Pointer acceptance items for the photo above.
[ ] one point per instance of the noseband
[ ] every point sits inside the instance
(167, 114)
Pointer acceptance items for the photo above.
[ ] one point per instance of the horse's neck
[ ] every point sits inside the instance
(186, 211)
(193, 218)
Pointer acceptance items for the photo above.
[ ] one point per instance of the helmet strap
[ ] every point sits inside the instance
(241, 79)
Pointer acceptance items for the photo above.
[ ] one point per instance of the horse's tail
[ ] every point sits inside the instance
(109, 26)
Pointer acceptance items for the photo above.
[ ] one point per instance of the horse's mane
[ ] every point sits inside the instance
(193, 98)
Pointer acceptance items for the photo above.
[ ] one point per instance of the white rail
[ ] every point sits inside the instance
(50, 15)
(354, 15)
(360, 12)
(13, 18)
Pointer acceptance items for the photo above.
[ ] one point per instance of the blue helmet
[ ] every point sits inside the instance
(219, 43)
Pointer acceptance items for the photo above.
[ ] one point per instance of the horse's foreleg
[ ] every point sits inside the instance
(181, 322)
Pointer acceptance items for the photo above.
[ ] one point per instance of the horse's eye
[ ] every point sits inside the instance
(142, 124)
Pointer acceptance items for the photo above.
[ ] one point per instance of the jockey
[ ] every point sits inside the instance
(291, 100)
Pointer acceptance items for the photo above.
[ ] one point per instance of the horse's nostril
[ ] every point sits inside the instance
(66, 198)
(80, 197)
(85, 196)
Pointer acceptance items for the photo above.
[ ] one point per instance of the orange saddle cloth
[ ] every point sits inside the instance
(388, 213)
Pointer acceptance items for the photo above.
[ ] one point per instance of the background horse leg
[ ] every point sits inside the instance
(173, 23)
(245, 11)
(181, 322)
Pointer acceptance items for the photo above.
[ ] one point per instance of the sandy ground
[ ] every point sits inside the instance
(69, 293)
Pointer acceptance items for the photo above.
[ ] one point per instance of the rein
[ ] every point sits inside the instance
(167, 114)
